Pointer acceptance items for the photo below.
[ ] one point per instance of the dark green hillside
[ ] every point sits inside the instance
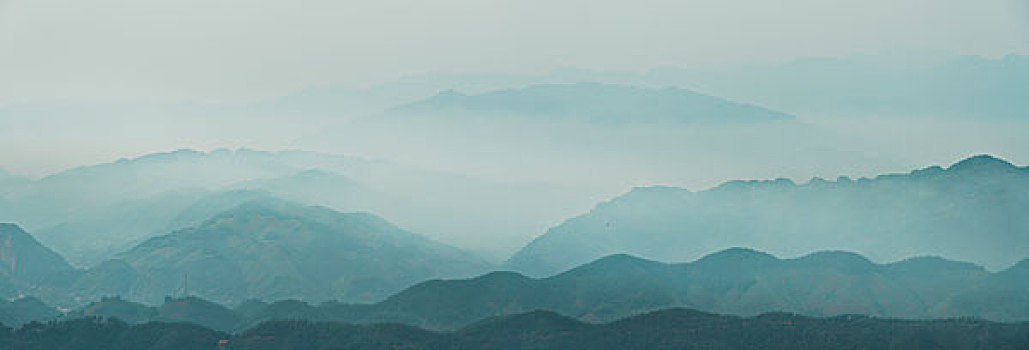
(665, 329)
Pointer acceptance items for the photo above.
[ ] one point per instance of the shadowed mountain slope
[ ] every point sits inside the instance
(24, 258)
(27, 267)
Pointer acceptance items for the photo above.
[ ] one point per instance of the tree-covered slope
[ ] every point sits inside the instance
(665, 329)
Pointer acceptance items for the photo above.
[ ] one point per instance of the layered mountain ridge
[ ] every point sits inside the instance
(255, 246)
(91, 213)
(969, 211)
(736, 281)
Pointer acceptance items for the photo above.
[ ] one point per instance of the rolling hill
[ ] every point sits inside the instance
(735, 281)
(665, 329)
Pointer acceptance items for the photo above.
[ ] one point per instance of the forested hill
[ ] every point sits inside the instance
(666, 329)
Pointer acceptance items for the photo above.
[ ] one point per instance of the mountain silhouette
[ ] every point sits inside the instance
(970, 211)
(592, 102)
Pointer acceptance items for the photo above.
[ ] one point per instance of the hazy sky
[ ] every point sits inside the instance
(244, 49)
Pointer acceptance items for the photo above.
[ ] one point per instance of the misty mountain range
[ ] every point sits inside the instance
(892, 83)
(896, 84)
(982, 96)
(518, 175)
(90, 213)
(959, 205)
(591, 103)
(967, 211)
(242, 243)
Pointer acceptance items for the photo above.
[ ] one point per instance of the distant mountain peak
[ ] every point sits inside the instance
(597, 102)
(843, 254)
(176, 154)
(494, 276)
(529, 320)
(738, 255)
(257, 207)
(982, 162)
(616, 263)
(838, 259)
(934, 263)
(621, 259)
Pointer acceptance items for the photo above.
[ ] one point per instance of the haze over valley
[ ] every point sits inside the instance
(508, 175)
